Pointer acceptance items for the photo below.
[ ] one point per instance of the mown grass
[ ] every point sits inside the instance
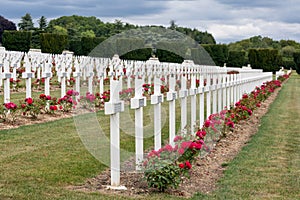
(39, 161)
(268, 167)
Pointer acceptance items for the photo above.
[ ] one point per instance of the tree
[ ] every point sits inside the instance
(297, 61)
(5, 24)
(267, 59)
(42, 23)
(88, 33)
(218, 52)
(236, 59)
(173, 25)
(26, 23)
(59, 30)
(53, 43)
(17, 40)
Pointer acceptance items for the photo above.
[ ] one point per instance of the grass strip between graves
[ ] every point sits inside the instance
(268, 167)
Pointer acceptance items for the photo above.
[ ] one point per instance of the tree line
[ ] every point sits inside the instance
(82, 34)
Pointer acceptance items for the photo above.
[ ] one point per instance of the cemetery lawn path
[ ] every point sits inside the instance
(268, 167)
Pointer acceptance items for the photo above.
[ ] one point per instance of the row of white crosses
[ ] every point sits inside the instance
(6, 60)
(224, 90)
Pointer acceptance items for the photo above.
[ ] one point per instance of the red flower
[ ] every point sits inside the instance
(48, 97)
(10, 105)
(42, 96)
(195, 145)
(23, 105)
(238, 103)
(181, 165)
(53, 108)
(201, 133)
(188, 165)
(70, 92)
(207, 123)
(230, 124)
(29, 101)
(249, 112)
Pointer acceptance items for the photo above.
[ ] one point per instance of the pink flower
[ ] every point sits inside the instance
(186, 144)
(181, 151)
(168, 147)
(177, 138)
(145, 163)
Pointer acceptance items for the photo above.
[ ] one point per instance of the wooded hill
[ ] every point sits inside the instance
(82, 34)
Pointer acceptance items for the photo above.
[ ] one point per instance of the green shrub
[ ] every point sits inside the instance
(53, 43)
(17, 40)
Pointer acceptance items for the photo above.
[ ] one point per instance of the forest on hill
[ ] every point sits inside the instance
(82, 34)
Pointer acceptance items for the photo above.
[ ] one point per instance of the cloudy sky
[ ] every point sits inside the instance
(227, 20)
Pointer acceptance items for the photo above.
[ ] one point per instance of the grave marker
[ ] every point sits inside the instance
(28, 75)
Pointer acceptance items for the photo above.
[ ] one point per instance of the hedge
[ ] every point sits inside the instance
(236, 59)
(17, 40)
(53, 43)
(218, 52)
(267, 59)
(297, 61)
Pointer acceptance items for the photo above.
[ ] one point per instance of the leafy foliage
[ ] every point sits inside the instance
(297, 61)
(26, 23)
(266, 59)
(236, 58)
(218, 52)
(53, 43)
(5, 24)
(17, 40)
(42, 23)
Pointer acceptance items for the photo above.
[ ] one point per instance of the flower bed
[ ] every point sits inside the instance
(166, 167)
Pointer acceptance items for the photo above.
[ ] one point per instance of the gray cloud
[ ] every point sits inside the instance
(227, 20)
(251, 3)
(56, 8)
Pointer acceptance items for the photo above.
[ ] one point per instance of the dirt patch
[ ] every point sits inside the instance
(205, 173)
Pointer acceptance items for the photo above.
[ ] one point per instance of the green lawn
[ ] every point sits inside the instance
(268, 167)
(39, 161)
